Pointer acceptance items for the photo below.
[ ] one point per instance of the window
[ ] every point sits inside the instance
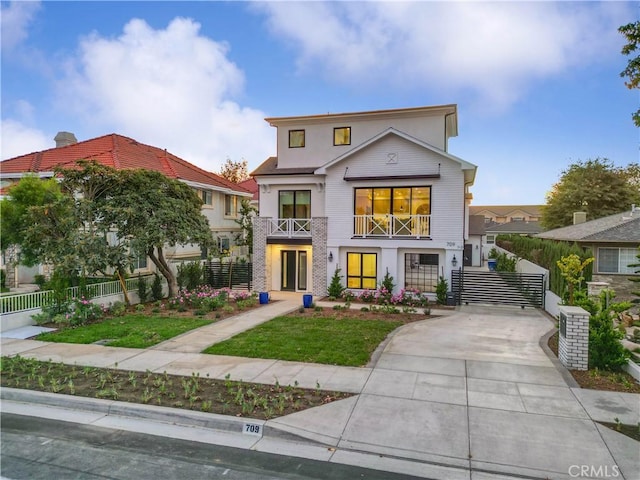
(223, 244)
(421, 271)
(410, 207)
(296, 138)
(616, 260)
(294, 204)
(342, 136)
(361, 270)
(491, 239)
(230, 206)
(207, 197)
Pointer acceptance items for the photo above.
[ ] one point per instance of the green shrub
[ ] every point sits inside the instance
(605, 350)
(441, 291)
(336, 288)
(387, 283)
(505, 263)
(118, 309)
(3, 279)
(143, 289)
(140, 308)
(190, 275)
(156, 288)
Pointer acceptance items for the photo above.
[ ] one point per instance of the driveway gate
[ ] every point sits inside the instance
(503, 288)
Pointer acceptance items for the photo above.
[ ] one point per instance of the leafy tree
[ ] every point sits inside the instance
(572, 268)
(636, 279)
(631, 32)
(235, 172)
(153, 211)
(247, 212)
(596, 187)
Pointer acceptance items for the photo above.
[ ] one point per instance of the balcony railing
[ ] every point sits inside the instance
(416, 226)
(290, 227)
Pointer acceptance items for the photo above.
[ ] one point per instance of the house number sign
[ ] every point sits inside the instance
(252, 429)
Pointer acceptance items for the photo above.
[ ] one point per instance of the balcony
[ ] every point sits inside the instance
(392, 226)
(289, 228)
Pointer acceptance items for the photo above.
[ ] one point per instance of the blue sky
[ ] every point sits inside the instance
(537, 84)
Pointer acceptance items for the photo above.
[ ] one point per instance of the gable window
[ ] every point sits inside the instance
(342, 136)
(230, 206)
(294, 204)
(207, 197)
(361, 270)
(296, 138)
(616, 260)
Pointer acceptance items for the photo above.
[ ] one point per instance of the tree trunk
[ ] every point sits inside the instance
(123, 284)
(160, 262)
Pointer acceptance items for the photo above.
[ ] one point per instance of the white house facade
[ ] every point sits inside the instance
(369, 192)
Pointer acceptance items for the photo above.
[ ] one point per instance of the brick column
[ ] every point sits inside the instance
(260, 283)
(319, 264)
(573, 340)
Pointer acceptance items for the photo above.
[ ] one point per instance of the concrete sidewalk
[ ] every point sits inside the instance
(468, 395)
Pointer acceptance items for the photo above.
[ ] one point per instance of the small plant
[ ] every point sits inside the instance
(143, 289)
(427, 311)
(301, 309)
(387, 283)
(140, 308)
(118, 309)
(156, 288)
(441, 291)
(336, 288)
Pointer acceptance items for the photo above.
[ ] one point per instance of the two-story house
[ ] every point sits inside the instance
(368, 192)
(221, 198)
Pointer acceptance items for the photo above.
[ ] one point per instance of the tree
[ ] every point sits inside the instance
(247, 212)
(153, 211)
(572, 268)
(235, 172)
(636, 279)
(596, 187)
(631, 32)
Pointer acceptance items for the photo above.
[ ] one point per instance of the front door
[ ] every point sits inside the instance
(288, 263)
(294, 270)
(468, 255)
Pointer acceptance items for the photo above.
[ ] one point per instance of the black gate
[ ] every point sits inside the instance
(503, 288)
(229, 275)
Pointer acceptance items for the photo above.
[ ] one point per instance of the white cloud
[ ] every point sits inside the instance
(18, 139)
(172, 88)
(15, 18)
(493, 50)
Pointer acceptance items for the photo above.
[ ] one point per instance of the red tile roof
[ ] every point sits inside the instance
(118, 152)
(251, 185)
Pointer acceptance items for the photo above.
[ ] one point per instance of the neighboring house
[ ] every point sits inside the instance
(507, 213)
(516, 227)
(221, 198)
(368, 192)
(614, 241)
(252, 186)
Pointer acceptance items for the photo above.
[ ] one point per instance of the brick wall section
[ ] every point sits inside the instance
(319, 245)
(260, 283)
(573, 346)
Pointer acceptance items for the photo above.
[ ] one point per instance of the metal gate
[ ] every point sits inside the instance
(503, 288)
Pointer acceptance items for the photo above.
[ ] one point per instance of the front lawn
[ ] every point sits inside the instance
(132, 330)
(328, 340)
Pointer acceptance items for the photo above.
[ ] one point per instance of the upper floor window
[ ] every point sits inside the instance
(294, 204)
(617, 260)
(396, 201)
(207, 197)
(230, 206)
(342, 136)
(517, 219)
(296, 138)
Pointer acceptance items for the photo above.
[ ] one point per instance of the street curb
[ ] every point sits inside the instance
(173, 416)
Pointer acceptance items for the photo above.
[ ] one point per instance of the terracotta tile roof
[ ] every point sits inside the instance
(252, 186)
(119, 152)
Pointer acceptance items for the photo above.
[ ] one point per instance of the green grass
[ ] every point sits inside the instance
(133, 331)
(326, 340)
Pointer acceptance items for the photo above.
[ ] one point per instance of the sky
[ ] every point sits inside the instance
(537, 84)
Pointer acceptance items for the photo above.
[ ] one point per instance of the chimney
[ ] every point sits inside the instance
(63, 139)
(579, 217)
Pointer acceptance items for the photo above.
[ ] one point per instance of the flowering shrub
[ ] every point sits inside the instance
(83, 311)
(382, 296)
(207, 298)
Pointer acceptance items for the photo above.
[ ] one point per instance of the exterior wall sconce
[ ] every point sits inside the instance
(454, 261)
(330, 257)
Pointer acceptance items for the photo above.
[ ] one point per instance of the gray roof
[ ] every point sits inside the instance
(622, 227)
(270, 167)
(516, 226)
(476, 225)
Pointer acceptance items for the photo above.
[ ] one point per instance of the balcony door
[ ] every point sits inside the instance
(293, 264)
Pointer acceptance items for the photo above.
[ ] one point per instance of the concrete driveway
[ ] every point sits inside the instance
(473, 395)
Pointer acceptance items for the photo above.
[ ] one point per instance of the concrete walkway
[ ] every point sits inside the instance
(467, 395)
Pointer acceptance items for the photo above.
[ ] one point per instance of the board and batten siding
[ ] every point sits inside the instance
(447, 192)
(319, 148)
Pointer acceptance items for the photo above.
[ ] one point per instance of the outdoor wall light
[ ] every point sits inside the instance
(454, 261)
(330, 256)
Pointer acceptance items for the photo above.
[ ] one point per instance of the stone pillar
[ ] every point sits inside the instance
(319, 264)
(11, 269)
(573, 340)
(260, 254)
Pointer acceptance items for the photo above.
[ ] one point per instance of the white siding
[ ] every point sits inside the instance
(319, 148)
(269, 195)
